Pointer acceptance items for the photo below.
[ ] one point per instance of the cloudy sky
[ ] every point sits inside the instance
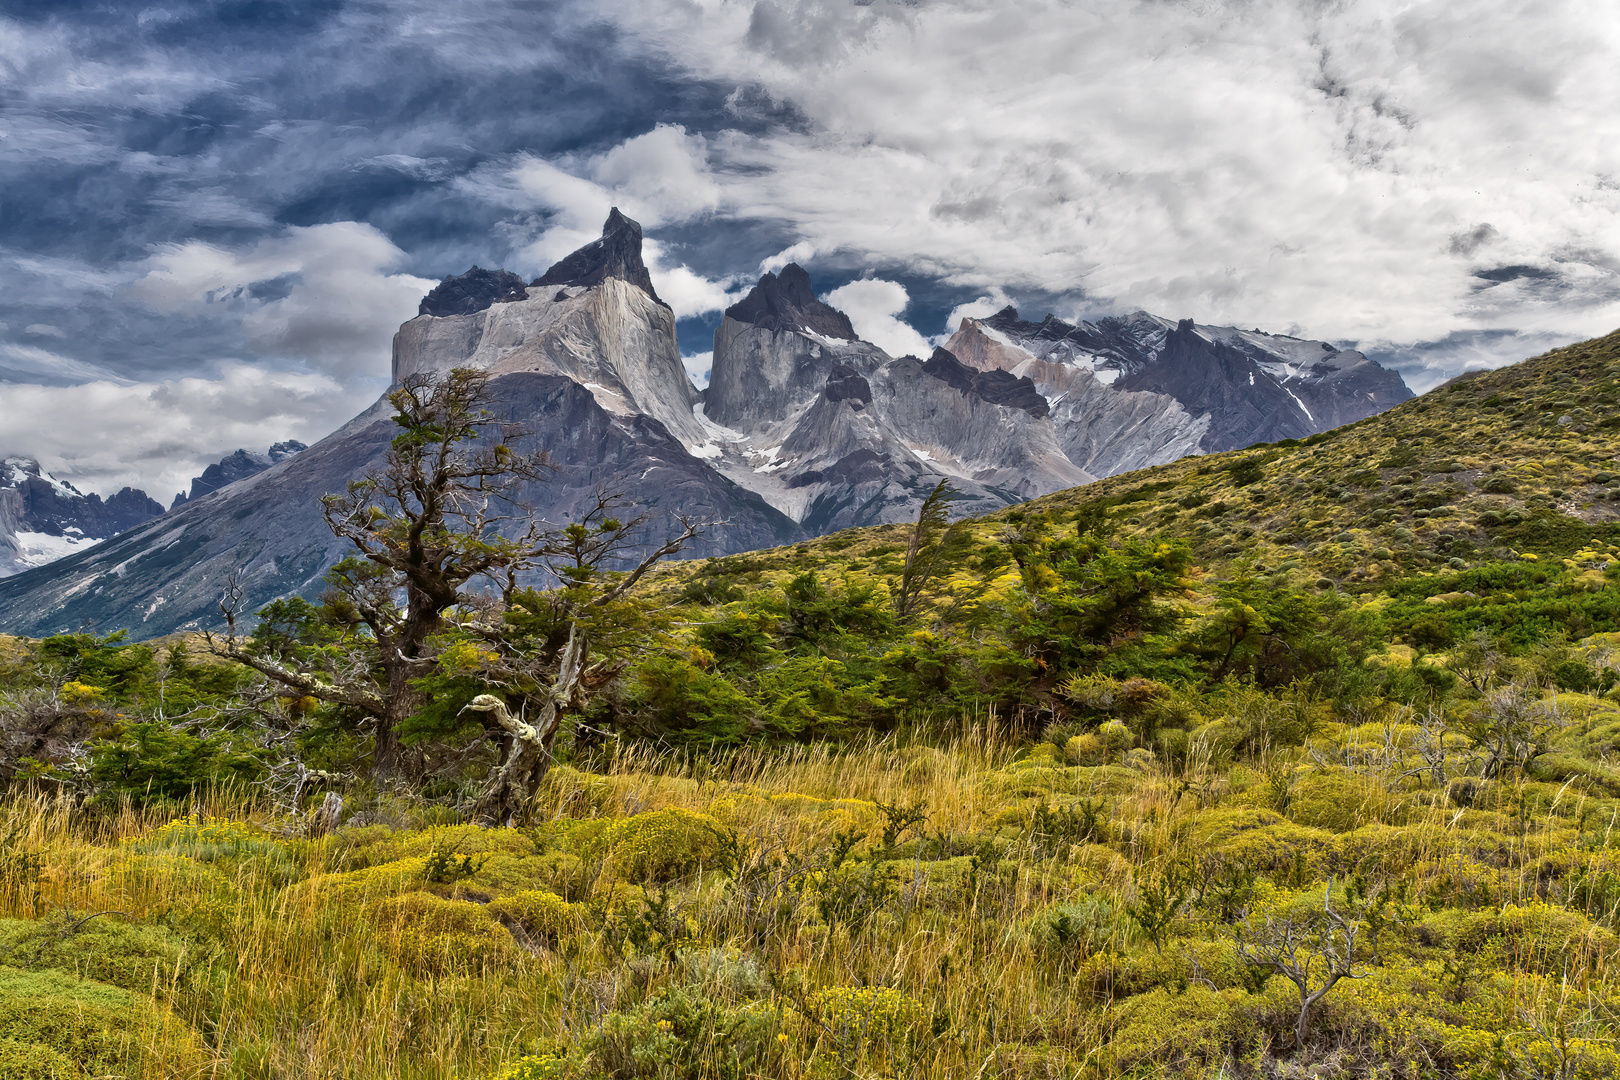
(213, 215)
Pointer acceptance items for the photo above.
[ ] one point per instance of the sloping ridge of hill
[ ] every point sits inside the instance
(1519, 465)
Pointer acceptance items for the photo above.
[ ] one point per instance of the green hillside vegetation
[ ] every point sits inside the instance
(1302, 760)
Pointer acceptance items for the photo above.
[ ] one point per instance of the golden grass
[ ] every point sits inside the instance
(281, 976)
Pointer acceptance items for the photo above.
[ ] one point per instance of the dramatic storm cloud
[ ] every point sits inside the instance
(213, 215)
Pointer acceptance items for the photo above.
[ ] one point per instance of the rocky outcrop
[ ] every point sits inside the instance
(616, 255)
(43, 518)
(846, 384)
(236, 466)
(995, 386)
(785, 302)
(473, 291)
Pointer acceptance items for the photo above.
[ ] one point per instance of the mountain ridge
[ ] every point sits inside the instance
(804, 428)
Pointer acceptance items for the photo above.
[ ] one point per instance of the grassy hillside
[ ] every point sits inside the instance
(1490, 466)
(1300, 761)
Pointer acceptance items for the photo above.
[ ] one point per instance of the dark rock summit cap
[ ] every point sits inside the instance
(995, 386)
(844, 383)
(617, 255)
(471, 292)
(786, 301)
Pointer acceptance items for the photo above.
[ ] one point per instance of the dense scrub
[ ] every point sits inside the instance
(1295, 761)
(891, 908)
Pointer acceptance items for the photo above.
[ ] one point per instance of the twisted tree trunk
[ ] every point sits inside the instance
(518, 777)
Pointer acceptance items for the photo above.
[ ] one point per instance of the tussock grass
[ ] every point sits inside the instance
(797, 940)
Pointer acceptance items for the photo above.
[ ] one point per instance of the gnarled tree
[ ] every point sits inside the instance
(553, 648)
(434, 517)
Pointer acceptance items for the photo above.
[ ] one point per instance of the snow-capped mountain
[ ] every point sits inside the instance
(43, 519)
(803, 429)
(1140, 390)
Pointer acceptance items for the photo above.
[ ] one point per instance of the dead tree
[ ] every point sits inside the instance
(553, 668)
(1311, 951)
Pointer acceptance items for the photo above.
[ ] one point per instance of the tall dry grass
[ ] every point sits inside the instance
(282, 979)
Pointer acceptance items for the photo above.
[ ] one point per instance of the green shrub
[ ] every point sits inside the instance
(1331, 799)
(38, 1062)
(107, 949)
(543, 916)
(430, 935)
(661, 845)
(101, 1030)
(1179, 1031)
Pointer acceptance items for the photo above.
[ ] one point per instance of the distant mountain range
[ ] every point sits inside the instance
(43, 519)
(804, 428)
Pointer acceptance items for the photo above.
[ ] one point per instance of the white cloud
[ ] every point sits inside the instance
(44, 330)
(802, 252)
(319, 295)
(319, 304)
(692, 294)
(981, 308)
(874, 307)
(1259, 162)
(686, 291)
(658, 178)
(697, 367)
(157, 435)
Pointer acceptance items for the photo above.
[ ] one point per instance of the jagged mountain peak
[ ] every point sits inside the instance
(235, 466)
(616, 255)
(477, 289)
(785, 301)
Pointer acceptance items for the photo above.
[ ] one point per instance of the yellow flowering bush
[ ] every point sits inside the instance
(661, 845)
(870, 1012)
(76, 692)
(546, 1065)
(430, 935)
